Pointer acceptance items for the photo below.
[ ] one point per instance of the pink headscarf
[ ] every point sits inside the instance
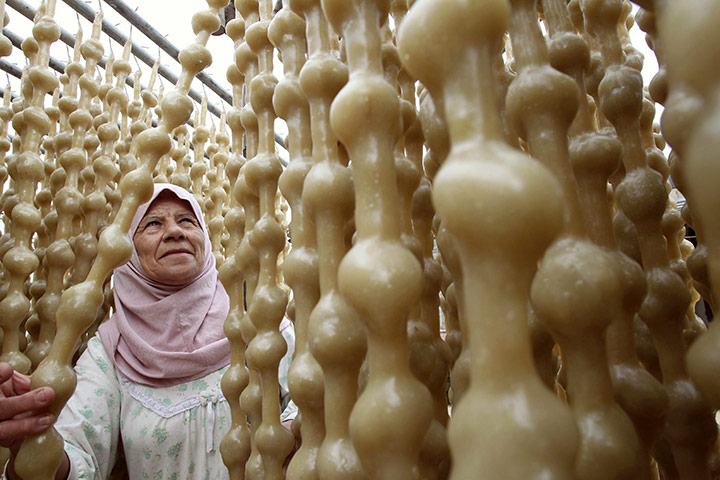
(163, 335)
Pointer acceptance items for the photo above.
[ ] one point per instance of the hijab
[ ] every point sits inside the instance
(163, 335)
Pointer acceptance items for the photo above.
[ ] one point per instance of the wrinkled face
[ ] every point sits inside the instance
(169, 241)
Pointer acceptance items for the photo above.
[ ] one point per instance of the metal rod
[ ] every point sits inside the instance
(138, 22)
(29, 12)
(69, 39)
(121, 38)
(66, 37)
(54, 63)
(8, 67)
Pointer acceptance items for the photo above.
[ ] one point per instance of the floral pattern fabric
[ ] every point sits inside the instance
(167, 433)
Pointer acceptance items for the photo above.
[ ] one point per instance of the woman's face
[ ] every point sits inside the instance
(169, 241)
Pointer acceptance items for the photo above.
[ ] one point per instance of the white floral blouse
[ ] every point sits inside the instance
(168, 433)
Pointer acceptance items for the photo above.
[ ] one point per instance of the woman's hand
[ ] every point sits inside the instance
(17, 402)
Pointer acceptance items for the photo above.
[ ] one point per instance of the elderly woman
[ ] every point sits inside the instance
(151, 377)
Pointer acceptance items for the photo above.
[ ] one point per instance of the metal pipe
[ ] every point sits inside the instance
(121, 38)
(138, 22)
(66, 37)
(54, 63)
(82, 9)
(112, 32)
(8, 67)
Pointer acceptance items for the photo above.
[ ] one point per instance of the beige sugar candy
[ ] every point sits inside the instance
(20, 260)
(683, 107)
(673, 225)
(380, 277)
(267, 306)
(428, 353)
(697, 162)
(5, 43)
(103, 166)
(641, 196)
(181, 174)
(438, 143)
(137, 110)
(5, 116)
(68, 200)
(248, 262)
(551, 226)
(301, 268)
(219, 156)
(235, 445)
(247, 257)
(335, 334)
(575, 292)
(482, 178)
(40, 455)
(595, 156)
(430, 356)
